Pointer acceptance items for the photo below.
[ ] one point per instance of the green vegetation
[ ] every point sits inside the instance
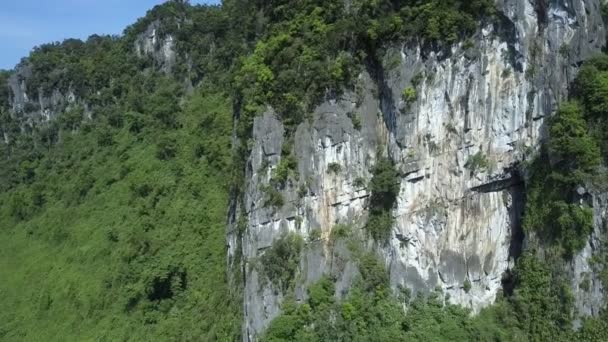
(340, 231)
(359, 182)
(409, 95)
(113, 227)
(540, 309)
(551, 210)
(109, 241)
(272, 197)
(279, 263)
(541, 305)
(477, 162)
(305, 39)
(284, 169)
(315, 235)
(334, 168)
(384, 187)
(356, 120)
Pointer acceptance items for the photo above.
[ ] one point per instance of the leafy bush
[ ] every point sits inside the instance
(334, 168)
(315, 235)
(284, 169)
(570, 144)
(477, 162)
(137, 222)
(572, 154)
(409, 95)
(280, 262)
(166, 148)
(340, 231)
(273, 197)
(356, 120)
(385, 185)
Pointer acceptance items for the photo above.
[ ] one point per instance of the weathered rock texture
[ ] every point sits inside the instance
(30, 107)
(159, 47)
(456, 221)
(33, 106)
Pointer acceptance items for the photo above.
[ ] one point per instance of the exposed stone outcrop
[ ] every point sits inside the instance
(30, 107)
(478, 112)
(161, 48)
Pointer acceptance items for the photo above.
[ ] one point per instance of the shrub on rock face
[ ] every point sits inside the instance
(273, 197)
(409, 95)
(477, 162)
(334, 168)
(384, 186)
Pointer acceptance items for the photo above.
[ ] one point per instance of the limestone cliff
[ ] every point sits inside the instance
(31, 104)
(472, 115)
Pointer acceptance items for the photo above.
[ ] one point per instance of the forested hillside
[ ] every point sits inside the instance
(121, 169)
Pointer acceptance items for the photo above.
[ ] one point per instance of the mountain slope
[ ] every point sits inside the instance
(310, 170)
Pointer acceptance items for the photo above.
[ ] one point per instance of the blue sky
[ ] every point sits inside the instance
(27, 23)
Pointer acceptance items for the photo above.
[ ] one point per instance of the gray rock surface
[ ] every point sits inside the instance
(453, 223)
(161, 48)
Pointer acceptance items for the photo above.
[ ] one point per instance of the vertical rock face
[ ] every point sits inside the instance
(32, 106)
(456, 123)
(161, 48)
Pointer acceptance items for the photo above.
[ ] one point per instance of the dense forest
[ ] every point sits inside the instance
(113, 214)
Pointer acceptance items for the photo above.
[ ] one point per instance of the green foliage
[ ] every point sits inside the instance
(359, 182)
(591, 90)
(315, 235)
(379, 224)
(544, 306)
(409, 95)
(4, 90)
(279, 263)
(107, 242)
(384, 186)
(571, 156)
(467, 285)
(312, 48)
(477, 162)
(334, 168)
(370, 312)
(570, 143)
(356, 120)
(340, 231)
(273, 197)
(286, 167)
(166, 148)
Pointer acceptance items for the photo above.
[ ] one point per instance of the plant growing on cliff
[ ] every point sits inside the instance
(477, 162)
(384, 186)
(359, 182)
(272, 197)
(409, 95)
(284, 169)
(279, 263)
(334, 168)
(574, 150)
(315, 235)
(356, 120)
